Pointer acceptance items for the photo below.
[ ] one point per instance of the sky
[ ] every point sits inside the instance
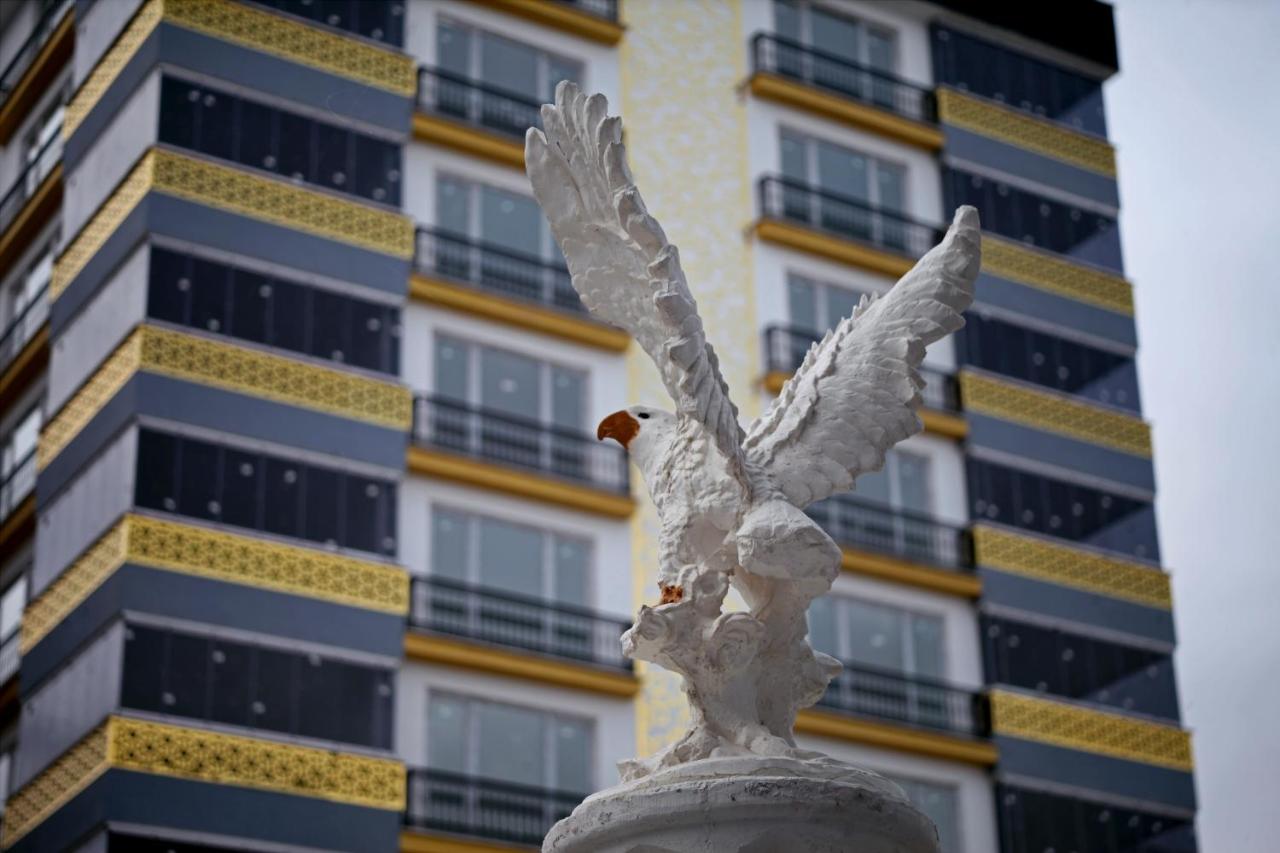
(1195, 117)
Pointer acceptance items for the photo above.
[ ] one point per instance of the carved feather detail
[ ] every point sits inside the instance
(856, 393)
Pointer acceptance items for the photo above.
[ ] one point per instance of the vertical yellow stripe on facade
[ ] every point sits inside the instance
(686, 129)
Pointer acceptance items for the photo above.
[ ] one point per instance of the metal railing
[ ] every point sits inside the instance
(607, 9)
(786, 346)
(27, 52)
(29, 180)
(24, 327)
(922, 702)
(489, 107)
(459, 427)
(17, 484)
(517, 621)
(489, 267)
(10, 655)
(786, 58)
(866, 525)
(504, 811)
(846, 217)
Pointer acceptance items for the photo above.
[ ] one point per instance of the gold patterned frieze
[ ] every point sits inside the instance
(1088, 730)
(242, 370)
(183, 752)
(1036, 558)
(1040, 270)
(1033, 133)
(228, 188)
(56, 785)
(254, 28)
(233, 558)
(1051, 412)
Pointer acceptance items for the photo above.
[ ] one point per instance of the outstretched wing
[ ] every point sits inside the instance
(621, 263)
(856, 394)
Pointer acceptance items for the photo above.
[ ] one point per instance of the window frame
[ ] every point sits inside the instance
(475, 58)
(875, 163)
(548, 249)
(842, 621)
(804, 17)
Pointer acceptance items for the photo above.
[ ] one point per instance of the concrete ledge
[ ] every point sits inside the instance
(903, 738)
(468, 140)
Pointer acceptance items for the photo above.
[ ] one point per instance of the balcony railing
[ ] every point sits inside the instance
(450, 95)
(785, 348)
(607, 9)
(30, 48)
(24, 327)
(518, 622)
(458, 427)
(502, 271)
(17, 484)
(922, 702)
(10, 655)
(503, 811)
(29, 180)
(774, 55)
(862, 524)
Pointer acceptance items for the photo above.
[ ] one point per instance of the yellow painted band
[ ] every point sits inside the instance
(468, 140)
(832, 248)
(965, 584)
(901, 738)
(561, 17)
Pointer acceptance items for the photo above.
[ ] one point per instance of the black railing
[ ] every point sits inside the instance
(846, 217)
(509, 440)
(922, 702)
(774, 55)
(786, 346)
(31, 47)
(489, 267)
(24, 327)
(863, 524)
(29, 180)
(488, 107)
(607, 9)
(503, 811)
(17, 484)
(519, 622)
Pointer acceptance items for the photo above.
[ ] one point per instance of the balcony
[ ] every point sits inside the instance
(480, 278)
(440, 801)
(17, 484)
(909, 700)
(473, 117)
(841, 228)
(593, 20)
(490, 449)
(518, 622)
(35, 65)
(833, 87)
(10, 657)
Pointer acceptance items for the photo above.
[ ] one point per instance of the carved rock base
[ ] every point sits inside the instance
(748, 805)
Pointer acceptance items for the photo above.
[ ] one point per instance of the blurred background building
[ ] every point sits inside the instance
(305, 541)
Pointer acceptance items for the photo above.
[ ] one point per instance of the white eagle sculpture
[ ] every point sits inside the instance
(731, 502)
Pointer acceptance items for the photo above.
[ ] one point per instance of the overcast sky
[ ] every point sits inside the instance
(1195, 116)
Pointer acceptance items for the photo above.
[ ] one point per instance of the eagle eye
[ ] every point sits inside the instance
(644, 416)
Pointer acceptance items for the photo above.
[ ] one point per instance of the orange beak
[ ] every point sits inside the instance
(619, 426)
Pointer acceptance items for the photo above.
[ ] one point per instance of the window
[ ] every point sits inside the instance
(44, 147)
(491, 740)
(12, 602)
(241, 684)
(213, 122)
(1034, 821)
(1080, 667)
(486, 214)
(845, 38)
(477, 549)
(1030, 218)
(510, 384)
(239, 303)
(974, 65)
(940, 804)
(1049, 360)
(501, 63)
(381, 21)
(1063, 509)
(877, 635)
(17, 461)
(816, 306)
(261, 492)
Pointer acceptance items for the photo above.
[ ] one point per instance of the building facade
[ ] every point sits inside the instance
(287, 247)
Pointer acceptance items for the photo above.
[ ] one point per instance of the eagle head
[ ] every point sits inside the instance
(640, 429)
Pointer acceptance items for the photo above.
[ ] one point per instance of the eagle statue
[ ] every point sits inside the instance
(731, 502)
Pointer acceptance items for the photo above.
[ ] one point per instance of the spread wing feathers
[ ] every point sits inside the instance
(621, 263)
(856, 393)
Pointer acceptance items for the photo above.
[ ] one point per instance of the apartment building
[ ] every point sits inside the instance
(306, 542)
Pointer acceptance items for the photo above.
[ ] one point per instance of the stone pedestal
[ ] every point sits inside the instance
(748, 804)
